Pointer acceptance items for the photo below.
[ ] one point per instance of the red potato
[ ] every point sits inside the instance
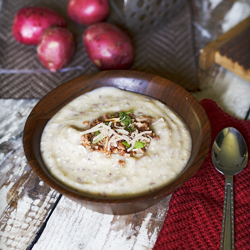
(87, 12)
(30, 22)
(56, 48)
(108, 46)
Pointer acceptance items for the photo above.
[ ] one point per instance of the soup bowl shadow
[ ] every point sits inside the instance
(173, 95)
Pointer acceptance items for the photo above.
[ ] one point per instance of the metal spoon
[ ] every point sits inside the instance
(229, 156)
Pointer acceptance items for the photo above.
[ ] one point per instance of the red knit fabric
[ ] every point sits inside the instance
(195, 210)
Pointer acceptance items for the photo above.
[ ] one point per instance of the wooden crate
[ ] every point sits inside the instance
(231, 50)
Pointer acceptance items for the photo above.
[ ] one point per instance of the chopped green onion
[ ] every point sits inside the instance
(94, 142)
(130, 128)
(96, 132)
(128, 112)
(139, 144)
(125, 118)
(125, 143)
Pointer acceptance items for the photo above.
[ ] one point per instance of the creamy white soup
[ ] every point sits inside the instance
(110, 142)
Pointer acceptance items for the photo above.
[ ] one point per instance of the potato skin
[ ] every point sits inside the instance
(56, 48)
(87, 12)
(30, 22)
(108, 46)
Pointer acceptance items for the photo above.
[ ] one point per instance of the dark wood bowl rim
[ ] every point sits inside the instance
(160, 193)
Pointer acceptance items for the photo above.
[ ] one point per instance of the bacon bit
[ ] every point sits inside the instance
(121, 163)
(156, 138)
(142, 125)
(85, 141)
(86, 123)
(127, 138)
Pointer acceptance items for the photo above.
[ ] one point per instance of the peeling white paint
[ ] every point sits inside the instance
(41, 183)
(144, 238)
(3, 193)
(214, 3)
(230, 92)
(23, 234)
(238, 12)
(18, 225)
(79, 228)
(87, 228)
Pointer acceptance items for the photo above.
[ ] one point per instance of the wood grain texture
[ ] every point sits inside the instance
(76, 227)
(77, 231)
(176, 97)
(232, 66)
(70, 226)
(231, 50)
(25, 200)
(207, 54)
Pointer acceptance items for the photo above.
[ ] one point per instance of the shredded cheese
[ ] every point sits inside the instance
(92, 130)
(112, 119)
(117, 134)
(122, 131)
(160, 120)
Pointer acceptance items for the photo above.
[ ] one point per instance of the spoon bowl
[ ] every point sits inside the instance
(229, 157)
(229, 152)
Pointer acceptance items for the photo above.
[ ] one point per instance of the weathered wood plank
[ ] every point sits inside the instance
(25, 200)
(72, 226)
(207, 54)
(232, 66)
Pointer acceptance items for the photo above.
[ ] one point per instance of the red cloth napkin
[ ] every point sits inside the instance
(195, 210)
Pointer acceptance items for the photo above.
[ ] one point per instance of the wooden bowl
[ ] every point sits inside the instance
(180, 100)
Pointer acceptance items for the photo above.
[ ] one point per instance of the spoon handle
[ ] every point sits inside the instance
(227, 232)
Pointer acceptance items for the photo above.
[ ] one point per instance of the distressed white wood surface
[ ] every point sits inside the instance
(212, 18)
(25, 201)
(72, 226)
(230, 92)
